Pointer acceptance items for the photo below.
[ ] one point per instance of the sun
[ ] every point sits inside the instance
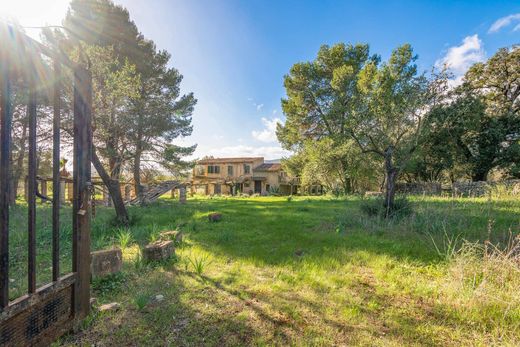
(32, 13)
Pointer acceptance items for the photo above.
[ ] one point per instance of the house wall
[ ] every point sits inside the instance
(206, 183)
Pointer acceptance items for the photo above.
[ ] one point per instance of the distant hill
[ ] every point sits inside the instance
(273, 161)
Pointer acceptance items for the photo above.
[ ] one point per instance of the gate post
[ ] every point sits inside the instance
(182, 194)
(81, 201)
(6, 117)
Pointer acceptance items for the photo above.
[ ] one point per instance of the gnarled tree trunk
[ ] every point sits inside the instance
(391, 173)
(114, 189)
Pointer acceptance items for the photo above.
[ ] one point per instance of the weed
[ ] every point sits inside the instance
(141, 300)
(109, 284)
(199, 263)
(449, 247)
(124, 238)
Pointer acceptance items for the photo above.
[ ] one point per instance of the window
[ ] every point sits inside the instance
(247, 169)
(230, 170)
(199, 170)
(213, 169)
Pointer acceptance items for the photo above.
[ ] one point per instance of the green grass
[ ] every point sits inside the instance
(304, 271)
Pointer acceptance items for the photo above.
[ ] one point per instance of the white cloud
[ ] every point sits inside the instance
(458, 59)
(268, 152)
(259, 106)
(268, 134)
(505, 21)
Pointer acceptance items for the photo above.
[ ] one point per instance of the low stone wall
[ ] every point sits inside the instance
(467, 189)
(475, 189)
(420, 188)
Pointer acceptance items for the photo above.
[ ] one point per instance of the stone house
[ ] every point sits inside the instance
(248, 175)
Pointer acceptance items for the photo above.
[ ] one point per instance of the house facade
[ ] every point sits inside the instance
(247, 175)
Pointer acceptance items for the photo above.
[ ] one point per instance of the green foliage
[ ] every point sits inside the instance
(402, 207)
(477, 131)
(199, 263)
(109, 284)
(141, 300)
(124, 238)
(272, 254)
(448, 249)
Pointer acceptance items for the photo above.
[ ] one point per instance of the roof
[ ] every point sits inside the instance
(229, 160)
(268, 167)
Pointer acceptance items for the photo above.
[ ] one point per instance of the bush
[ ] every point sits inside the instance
(377, 207)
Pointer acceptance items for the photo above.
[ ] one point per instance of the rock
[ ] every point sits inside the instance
(113, 306)
(159, 298)
(11, 280)
(106, 262)
(174, 235)
(93, 302)
(157, 251)
(215, 217)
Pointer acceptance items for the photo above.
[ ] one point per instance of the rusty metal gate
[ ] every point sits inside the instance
(45, 312)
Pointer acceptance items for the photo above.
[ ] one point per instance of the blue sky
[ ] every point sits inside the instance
(233, 54)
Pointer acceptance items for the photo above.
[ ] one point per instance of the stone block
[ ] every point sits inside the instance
(106, 262)
(157, 251)
(215, 217)
(173, 235)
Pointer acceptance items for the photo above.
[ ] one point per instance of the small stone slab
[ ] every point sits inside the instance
(157, 251)
(215, 217)
(106, 262)
(174, 235)
(113, 306)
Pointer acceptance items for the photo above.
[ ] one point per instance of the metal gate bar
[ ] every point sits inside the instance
(6, 115)
(45, 312)
(56, 185)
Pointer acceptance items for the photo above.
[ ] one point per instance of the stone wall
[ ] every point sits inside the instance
(467, 189)
(420, 188)
(474, 189)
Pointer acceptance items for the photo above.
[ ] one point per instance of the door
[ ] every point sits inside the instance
(218, 189)
(47, 310)
(258, 187)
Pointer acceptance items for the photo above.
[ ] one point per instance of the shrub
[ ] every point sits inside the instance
(376, 208)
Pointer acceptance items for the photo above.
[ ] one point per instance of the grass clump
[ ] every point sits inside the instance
(377, 208)
(482, 286)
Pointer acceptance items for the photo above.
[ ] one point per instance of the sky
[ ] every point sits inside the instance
(234, 54)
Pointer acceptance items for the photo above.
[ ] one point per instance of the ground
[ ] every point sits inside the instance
(305, 271)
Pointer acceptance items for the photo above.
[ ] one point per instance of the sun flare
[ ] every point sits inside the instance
(33, 12)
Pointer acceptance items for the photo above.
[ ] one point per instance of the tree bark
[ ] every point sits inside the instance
(391, 173)
(114, 189)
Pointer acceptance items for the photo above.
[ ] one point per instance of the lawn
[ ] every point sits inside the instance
(303, 271)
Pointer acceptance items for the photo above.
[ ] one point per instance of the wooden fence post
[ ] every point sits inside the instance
(81, 210)
(62, 191)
